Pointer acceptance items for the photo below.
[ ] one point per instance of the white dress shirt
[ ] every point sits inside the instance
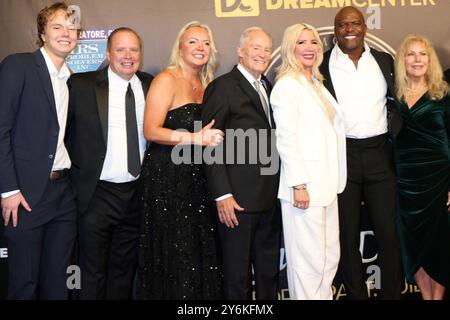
(360, 92)
(115, 167)
(61, 94)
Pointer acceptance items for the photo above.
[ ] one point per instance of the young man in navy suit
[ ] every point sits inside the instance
(37, 203)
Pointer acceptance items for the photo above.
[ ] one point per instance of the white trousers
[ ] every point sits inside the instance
(311, 240)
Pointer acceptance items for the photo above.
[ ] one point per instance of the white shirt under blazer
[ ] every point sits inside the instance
(311, 148)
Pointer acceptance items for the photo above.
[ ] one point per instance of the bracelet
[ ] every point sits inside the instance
(300, 187)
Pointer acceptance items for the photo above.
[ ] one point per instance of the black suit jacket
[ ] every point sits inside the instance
(87, 129)
(234, 104)
(386, 64)
(29, 126)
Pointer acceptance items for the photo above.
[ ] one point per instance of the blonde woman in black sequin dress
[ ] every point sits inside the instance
(178, 258)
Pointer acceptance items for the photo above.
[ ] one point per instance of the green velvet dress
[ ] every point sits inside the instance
(422, 152)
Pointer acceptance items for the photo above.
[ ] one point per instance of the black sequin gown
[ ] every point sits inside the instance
(178, 257)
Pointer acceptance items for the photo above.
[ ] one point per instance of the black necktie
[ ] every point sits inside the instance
(134, 158)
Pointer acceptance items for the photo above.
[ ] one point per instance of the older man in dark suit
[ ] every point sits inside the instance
(362, 81)
(246, 196)
(38, 204)
(106, 144)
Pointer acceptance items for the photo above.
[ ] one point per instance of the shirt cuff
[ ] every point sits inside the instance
(9, 193)
(224, 197)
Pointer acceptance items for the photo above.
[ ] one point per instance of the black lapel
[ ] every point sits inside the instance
(46, 81)
(386, 68)
(145, 81)
(102, 95)
(250, 91)
(325, 70)
(268, 86)
(386, 65)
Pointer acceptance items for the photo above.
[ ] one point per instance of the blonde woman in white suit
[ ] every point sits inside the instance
(311, 143)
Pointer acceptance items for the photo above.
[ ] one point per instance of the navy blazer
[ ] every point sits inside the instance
(29, 126)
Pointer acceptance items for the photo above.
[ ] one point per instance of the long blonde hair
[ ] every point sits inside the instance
(290, 64)
(437, 87)
(175, 60)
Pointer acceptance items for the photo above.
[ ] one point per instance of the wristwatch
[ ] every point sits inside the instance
(300, 187)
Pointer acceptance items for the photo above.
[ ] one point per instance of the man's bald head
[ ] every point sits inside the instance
(350, 30)
(348, 10)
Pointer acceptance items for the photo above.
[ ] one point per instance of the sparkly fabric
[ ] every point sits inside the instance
(178, 256)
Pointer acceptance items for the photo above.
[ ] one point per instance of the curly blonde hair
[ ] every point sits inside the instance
(437, 87)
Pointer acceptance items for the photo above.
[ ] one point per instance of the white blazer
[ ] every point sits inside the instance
(312, 150)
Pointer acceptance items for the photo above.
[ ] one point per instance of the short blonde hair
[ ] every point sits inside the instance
(208, 70)
(289, 64)
(437, 87)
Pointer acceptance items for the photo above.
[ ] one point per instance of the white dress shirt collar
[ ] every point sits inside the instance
(339, 54)
(64, 72)
(115, 79)
(247, 74)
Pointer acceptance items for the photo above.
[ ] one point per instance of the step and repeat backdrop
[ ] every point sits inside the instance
(158, 22)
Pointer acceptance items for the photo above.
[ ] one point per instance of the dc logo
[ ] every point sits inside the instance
(237, 8)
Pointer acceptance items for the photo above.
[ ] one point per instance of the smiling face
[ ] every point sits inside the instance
(417, 61)
(306, 49)
(350, 30)
(195, 47)
(254, 53)
(59, 36)
(124, 54)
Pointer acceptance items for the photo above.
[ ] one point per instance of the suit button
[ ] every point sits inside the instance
(50, 156)
(55, 134)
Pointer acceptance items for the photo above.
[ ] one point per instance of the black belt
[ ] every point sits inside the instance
(58, 174)
(368, 142)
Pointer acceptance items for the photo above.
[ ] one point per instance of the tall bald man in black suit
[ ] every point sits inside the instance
(362, 81)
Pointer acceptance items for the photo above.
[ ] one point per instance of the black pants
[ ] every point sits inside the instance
(108, 241)
(371, 178)
(255, 242)
(40, 248)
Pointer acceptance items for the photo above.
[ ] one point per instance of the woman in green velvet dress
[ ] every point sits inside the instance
(423, 167)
